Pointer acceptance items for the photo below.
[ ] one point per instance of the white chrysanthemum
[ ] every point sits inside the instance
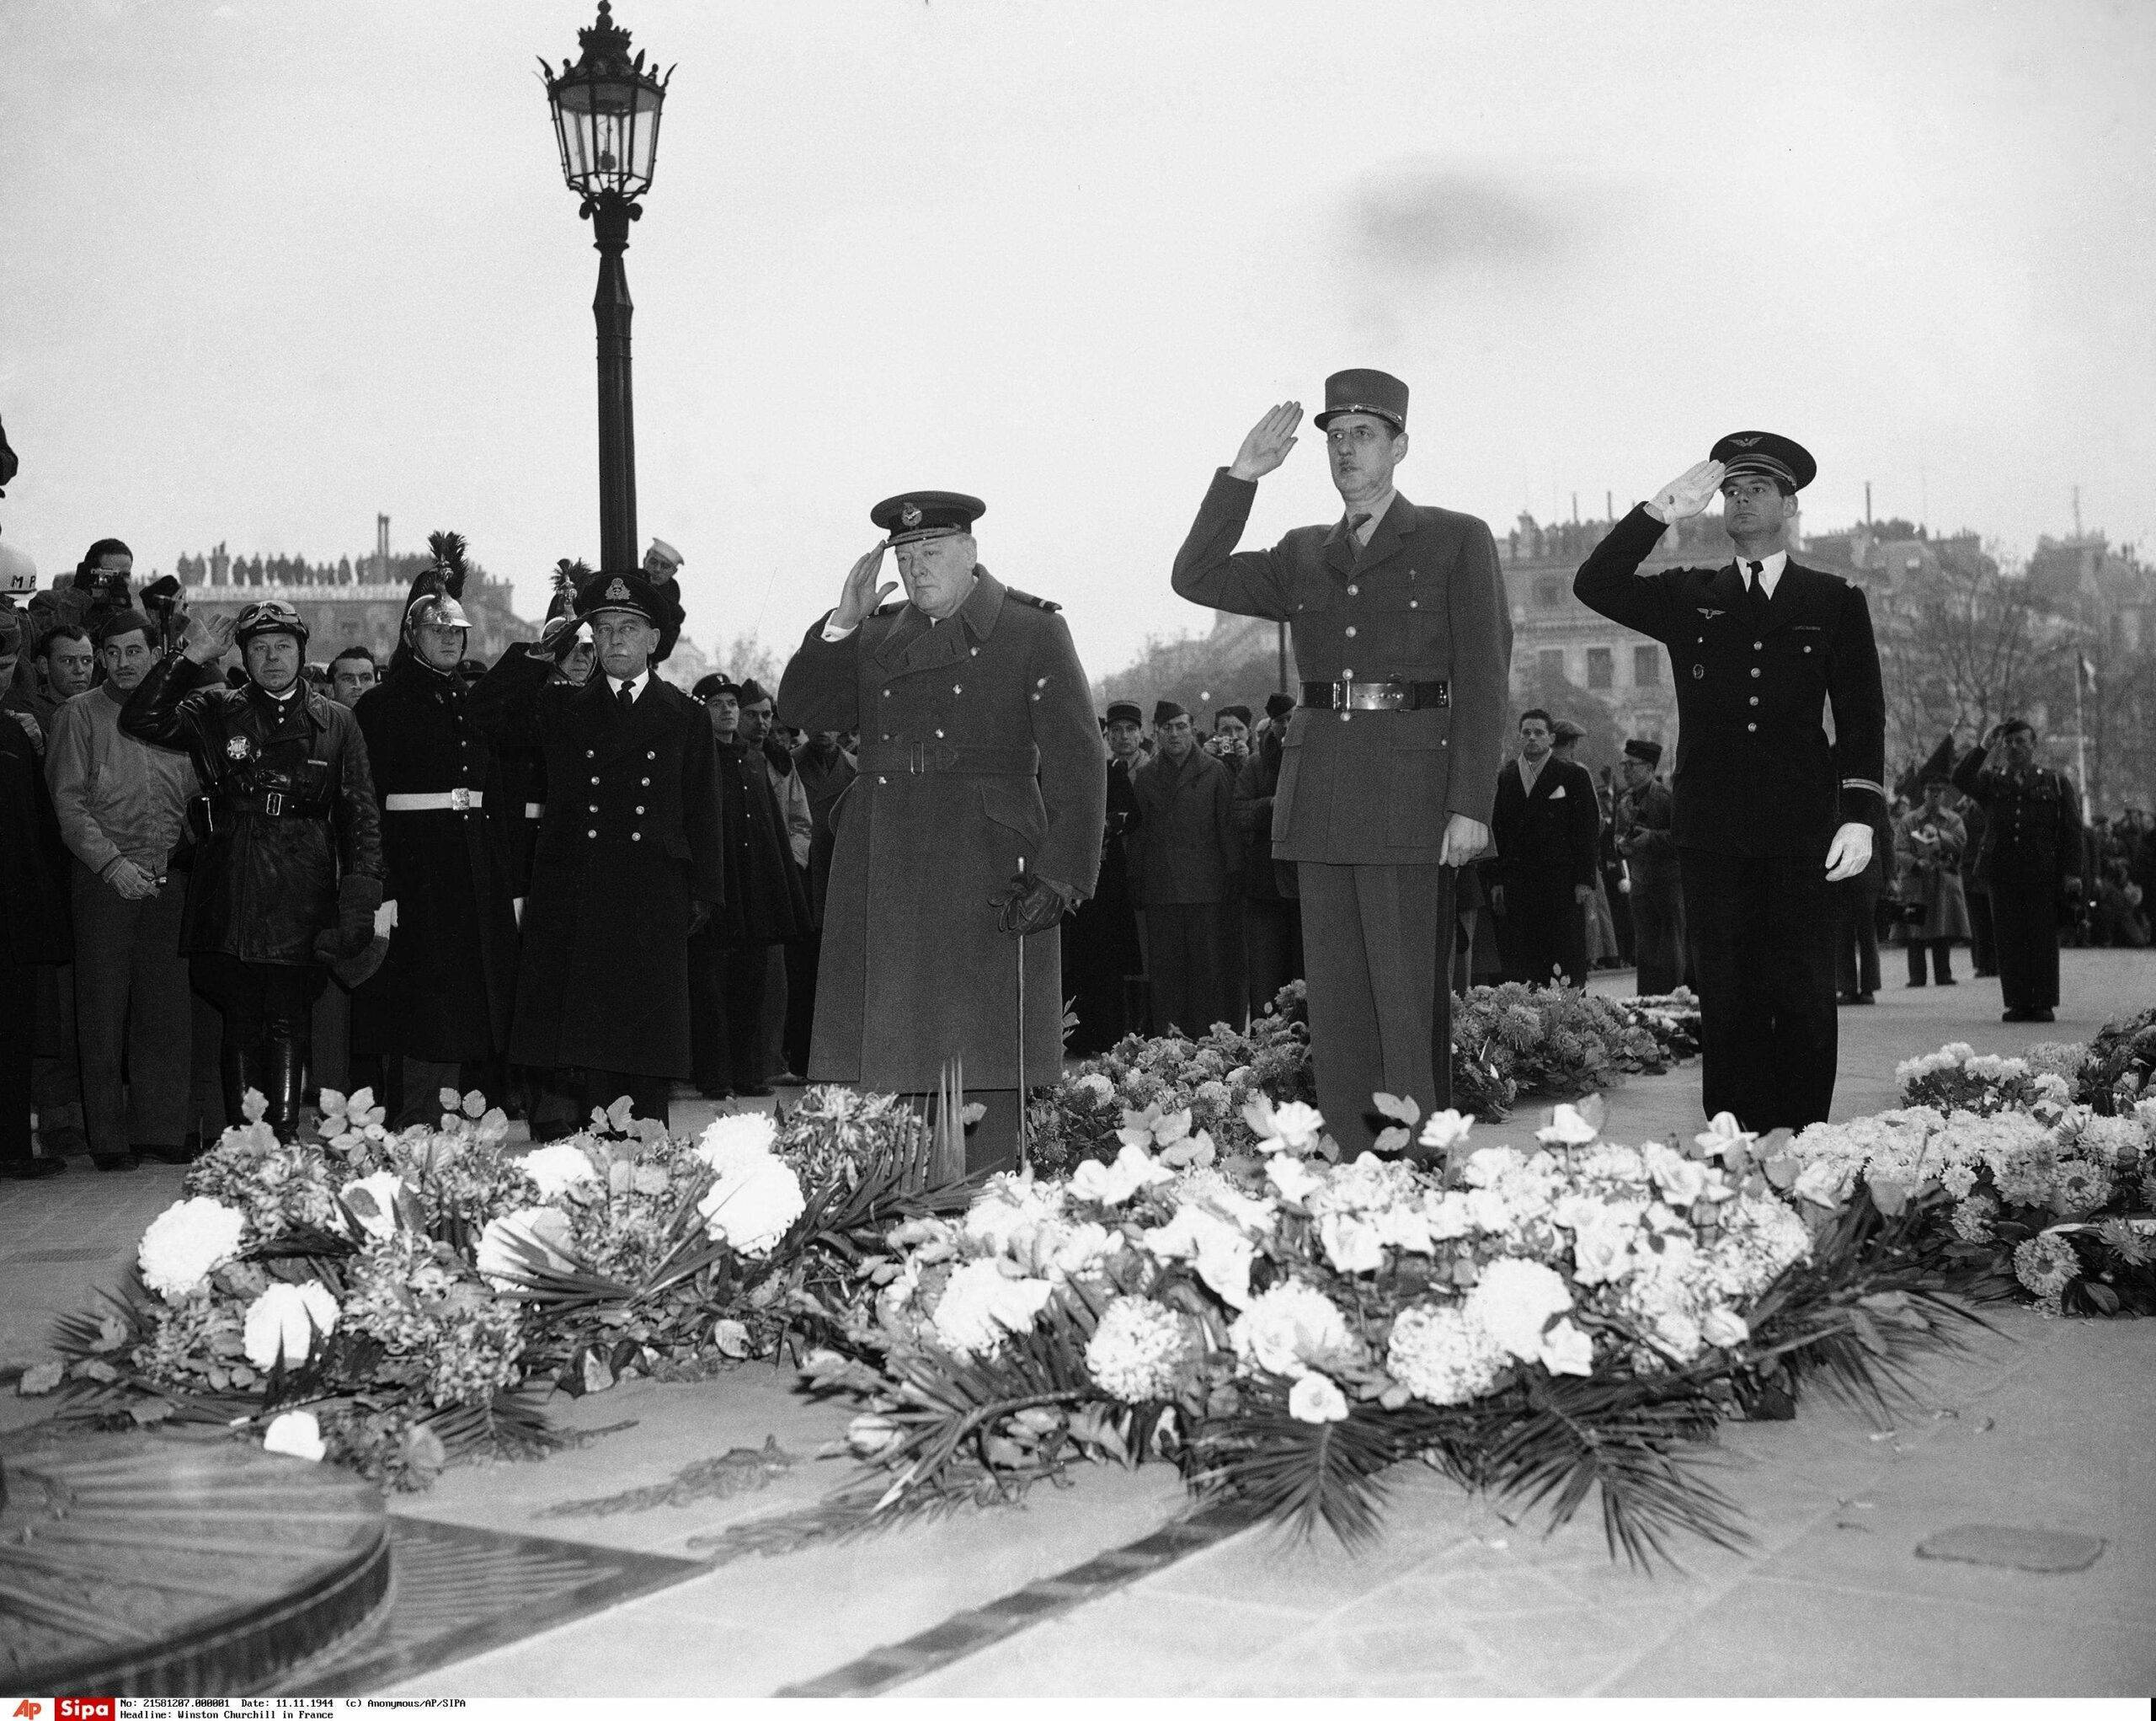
(1291, 1328)
(2117, 1141)
(1353, 1245)
(1098, 1086)
(1297, 1126)
(1971, 1219)
(1140, 1350)
(1222, 1253)
(981, 1304)
(504, 1256)
(557, 1167)
(1315, 1398)
(187, 1243)
(1008, 1207)
(295, 1435)
(376, 1216)
(284, 1320)
(2046, 1264)
(1514, 1300)
(1441, 1355)
(756, 1197)
(736, 1138)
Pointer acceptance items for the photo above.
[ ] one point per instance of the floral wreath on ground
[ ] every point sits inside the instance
(1507, 1040)
(1547, 1325)
(394, 1301)
(2033, 1175)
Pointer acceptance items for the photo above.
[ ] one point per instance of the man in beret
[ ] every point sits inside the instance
(628, 860)
(975, 824)
(1401, 629)
(1768, 813)
(1642, 817)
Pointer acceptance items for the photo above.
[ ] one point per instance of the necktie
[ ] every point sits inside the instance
(1757, 591)
(1356, 522)
(625, 697)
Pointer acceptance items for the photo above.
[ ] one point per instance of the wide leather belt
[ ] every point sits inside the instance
(275, 804)
(1375, 696)
(448, 800)
(903, 757)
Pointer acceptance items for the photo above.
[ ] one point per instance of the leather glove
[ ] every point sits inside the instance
(357, 898)
(1031, 905)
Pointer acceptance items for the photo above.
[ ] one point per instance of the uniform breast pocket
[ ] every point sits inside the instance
(1016, 805)
(1291, 772)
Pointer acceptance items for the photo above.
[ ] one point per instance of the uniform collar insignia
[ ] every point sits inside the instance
(1711, 614)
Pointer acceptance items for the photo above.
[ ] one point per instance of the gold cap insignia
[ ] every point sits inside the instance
(617, 590)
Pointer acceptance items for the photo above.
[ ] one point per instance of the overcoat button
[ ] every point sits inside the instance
(636, 835)
(591, 833)
(1354, 590)
(1759, 645)
(1698, 672)
(1755, 698)
(639, 810)
(1414, 603)
(1755, 675)
(1351, 632)
(1751, 728)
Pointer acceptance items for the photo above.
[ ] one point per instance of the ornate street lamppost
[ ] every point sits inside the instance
(606, 122)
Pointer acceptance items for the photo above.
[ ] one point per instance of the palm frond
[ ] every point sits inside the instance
(1299, 1474)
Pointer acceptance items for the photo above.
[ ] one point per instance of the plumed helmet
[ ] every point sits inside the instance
(433, 599)
(272, 615)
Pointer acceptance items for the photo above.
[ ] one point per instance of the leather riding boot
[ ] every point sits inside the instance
(285, 1055)
(239, 1068)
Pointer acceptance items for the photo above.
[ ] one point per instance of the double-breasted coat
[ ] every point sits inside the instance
(628, 844)
(445, 990)
(1928, 849)
(978, 747)
(292, 807)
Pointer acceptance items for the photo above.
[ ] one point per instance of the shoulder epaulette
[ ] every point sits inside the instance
(1038, 603)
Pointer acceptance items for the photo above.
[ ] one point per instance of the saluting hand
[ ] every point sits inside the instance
(1268, 442)
(209, 640)
(860, 595)
(1688, 493)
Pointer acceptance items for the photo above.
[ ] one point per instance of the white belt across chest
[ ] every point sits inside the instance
(448, 800)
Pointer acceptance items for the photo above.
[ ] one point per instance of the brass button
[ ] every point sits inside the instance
(1755, 673)
(636, 835)
(1751, 728)
(1351, 632)
(1354, 590)
(591, 833)
(1755, 698)
(1414, 603)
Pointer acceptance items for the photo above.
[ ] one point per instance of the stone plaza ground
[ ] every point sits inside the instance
(1108, 1588)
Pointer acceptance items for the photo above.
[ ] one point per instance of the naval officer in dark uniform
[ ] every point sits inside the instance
(975, 822)
(1768, 812)
(628, 862)
(2031, 856)
(1388, 769)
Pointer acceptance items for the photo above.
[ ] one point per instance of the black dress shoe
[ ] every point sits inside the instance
(25, 1170)
(1867, 997)
(1949, 981)
(753, 1090)
(2042, 1016)
(115, 1162)
(715, 1093)
(2017, 1016)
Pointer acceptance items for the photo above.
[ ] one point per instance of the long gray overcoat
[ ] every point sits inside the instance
(978, 744)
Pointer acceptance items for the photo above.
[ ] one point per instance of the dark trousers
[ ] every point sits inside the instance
(332, 1039)
(56, 1074)
(134, 1017)
(1620, 914)
(1983, 954)
(1272, 947)
(802, 958)
(1942, 960)
(259, 1001)
(726, 1013)
(1657, 937)
(1857, 952)
(1542, 933)
(1762, 930)
(2024, 926)
(18, 1024)
(1193, 956)
(1376, 941)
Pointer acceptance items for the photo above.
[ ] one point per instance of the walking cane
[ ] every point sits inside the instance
(1024, 1153)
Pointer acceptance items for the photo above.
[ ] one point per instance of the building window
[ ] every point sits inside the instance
(1551, 663)
(1549, 593)
(1646, 665)
(1601, 666)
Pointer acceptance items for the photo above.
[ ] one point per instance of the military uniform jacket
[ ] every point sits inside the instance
(629, 842)
(264, 884)
(1755, 774)
(1423, 602)
(2032, 824)
(445, 990)
(979, 745)
(1642, 818)
(1545, 835)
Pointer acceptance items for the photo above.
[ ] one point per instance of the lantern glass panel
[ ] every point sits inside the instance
(609, 134)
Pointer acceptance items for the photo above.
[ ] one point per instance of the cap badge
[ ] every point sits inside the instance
(617, 590)
(910, 515)
(1746, 441)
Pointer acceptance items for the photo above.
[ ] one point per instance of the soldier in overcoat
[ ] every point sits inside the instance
(1928, 841)
(1767, 812)
(2031, 853)
(979, 756)
(444, 996)
(1641, 816)
(628, 860)
(1388, 767)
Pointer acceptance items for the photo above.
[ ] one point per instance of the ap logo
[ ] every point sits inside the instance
(29, 1709)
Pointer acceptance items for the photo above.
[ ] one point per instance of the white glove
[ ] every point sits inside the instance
(385, 917)
(1688, 493)
(1849, 854)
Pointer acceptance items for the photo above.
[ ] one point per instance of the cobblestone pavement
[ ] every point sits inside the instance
(2042, 1426)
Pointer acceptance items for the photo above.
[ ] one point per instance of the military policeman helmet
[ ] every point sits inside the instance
(1372, 392)
(922, 514)
(273, 615)
(1763, 453)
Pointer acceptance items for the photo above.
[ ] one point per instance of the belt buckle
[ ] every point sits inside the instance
(460, 801)
(273, 802)
(1385, 696)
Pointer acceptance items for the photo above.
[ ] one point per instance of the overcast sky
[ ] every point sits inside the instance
(272, 267)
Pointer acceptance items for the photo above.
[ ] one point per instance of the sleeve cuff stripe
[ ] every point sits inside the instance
(1865, 783)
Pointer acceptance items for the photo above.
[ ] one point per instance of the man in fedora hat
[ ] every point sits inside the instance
(976, 819)
(628, 860)
(1768, 813)
(1388, 769)
(1641, 816)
